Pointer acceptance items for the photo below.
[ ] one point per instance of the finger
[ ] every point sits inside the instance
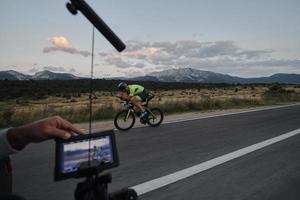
(59, 133)
(74, 134)
(68, 126)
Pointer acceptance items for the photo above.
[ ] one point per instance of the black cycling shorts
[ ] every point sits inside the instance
(144, 95)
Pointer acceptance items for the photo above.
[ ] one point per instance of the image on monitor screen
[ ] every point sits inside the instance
(76, 153)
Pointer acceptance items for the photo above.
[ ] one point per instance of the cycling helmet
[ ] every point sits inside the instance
(122, 86)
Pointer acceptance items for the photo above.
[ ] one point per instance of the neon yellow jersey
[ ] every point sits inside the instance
(134, 90)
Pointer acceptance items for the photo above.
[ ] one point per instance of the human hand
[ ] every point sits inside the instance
(52, 127)
(119, 95)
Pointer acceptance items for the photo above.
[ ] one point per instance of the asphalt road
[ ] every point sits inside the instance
(148, 153)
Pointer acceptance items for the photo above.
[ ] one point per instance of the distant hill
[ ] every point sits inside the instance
(43, 75)
(277, 78)
(189, 75)
(13, 75)
(185, 75)
(48, 75)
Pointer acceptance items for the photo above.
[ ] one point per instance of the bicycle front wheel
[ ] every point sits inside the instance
(156, 116)
(124, 120)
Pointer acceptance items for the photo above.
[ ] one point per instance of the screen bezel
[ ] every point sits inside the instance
(58, 175)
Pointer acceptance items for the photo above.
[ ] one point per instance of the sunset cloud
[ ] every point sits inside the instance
(60, 43)
(184, 53)
(221, 56)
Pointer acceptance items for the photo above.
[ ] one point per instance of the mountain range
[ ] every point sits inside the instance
(187, 75)
(190, 75)
(42, 75)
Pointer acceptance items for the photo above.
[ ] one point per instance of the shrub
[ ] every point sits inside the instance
(277, 94)
(7, 116)
(104, 112)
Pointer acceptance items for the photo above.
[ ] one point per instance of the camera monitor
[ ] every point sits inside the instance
(97, 151)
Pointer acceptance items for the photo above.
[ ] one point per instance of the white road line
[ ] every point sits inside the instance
(179, 175)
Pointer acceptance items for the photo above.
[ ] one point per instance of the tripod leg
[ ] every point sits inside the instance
(91, 190)
(124, 194)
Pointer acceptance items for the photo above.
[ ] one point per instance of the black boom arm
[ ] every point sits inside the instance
(74, 5)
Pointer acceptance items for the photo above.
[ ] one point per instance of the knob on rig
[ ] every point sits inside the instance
(72, 8)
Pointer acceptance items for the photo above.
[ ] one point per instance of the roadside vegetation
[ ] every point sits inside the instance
(42, 99)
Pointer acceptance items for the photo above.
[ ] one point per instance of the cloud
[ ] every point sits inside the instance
(131, 72)
(67, 50)
(295, 63)
(60, 43)
(139, 65)
(195, 49)
(33, 70)
(254, 54)
(120, 62)
(117, 61)
(219, 56)
(141, 54)
(72, 70)
(57, 69)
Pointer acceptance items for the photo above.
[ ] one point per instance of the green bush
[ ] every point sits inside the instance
(277, 94)
(7, 117)
(104, 112)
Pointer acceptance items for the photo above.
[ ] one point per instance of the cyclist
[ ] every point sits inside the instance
(136, 94)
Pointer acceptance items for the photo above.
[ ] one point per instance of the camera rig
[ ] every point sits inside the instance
(95, 187)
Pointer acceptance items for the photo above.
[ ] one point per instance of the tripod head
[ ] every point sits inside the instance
(96, 188)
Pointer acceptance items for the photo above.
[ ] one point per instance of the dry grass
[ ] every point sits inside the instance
(105, 105)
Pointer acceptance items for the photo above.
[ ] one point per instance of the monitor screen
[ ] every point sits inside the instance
(78, 152)
(97, 150)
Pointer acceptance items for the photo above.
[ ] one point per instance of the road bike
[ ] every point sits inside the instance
(125, 119)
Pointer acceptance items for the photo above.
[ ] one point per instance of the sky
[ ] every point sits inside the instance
(236, 37)
(86, 144)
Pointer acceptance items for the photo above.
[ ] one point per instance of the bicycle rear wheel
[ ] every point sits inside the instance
(156, 116)
(124, 120)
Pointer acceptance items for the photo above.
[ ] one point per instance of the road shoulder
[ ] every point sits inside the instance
(173, 118)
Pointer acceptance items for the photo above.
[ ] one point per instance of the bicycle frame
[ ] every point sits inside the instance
(130, 110)
(149, 111)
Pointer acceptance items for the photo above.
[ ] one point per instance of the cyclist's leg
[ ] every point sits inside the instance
(136, 101)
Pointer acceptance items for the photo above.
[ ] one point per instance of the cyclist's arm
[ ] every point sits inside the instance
(127, 97)
(119, 95)
(124, 96)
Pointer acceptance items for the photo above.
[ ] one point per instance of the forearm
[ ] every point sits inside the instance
(124, 97)
(128, 98)
(52, 127)
(18, 137)
(5, 147)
